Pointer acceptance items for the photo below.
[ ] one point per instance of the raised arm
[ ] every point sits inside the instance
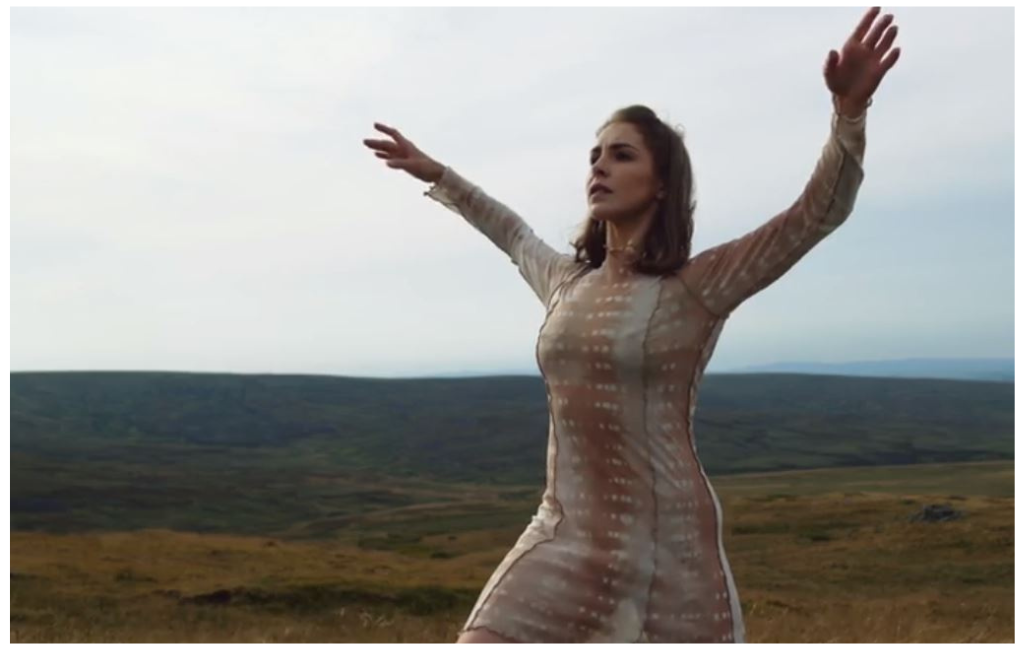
(724, 276)
(541, 266)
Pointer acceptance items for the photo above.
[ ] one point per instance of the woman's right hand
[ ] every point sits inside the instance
(403, 154)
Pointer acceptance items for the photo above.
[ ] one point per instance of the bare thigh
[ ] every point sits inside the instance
(482, 636)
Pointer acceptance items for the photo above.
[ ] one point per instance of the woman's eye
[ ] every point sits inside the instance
(621, 156)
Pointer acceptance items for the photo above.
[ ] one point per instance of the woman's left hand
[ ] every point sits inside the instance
(854, 75)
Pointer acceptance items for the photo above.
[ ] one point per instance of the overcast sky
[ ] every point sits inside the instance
(189, 189)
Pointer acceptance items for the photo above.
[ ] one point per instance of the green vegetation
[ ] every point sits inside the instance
(188, 507)
(311, 456)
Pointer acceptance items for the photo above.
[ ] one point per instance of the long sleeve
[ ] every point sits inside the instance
(724, 276)
(541, 266)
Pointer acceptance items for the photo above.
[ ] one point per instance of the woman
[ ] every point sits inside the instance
(626, 544)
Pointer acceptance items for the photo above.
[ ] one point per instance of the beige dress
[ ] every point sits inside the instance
(626, 544)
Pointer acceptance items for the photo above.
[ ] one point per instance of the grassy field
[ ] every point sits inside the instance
(819, 556)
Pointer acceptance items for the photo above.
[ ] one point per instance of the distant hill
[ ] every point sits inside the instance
(980, 369)
(973, 369)
(197, 450)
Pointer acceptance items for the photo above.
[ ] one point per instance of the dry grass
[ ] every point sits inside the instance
(810, 568)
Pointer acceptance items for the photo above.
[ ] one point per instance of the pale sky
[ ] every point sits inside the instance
(190, 191)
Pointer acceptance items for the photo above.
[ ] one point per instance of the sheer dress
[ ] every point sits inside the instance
(626, 543)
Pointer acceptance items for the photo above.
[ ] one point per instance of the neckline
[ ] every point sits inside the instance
(619, 261)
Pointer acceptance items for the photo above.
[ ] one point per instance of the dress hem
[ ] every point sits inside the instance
(507, 638)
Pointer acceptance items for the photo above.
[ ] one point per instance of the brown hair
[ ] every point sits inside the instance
(666, 246)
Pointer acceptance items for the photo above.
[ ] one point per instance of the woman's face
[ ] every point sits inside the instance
(621, 162)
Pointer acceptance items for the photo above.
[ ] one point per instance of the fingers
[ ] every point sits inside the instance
(876, 32)
(886, 42)
(890, 60)
(830, 62)
(865, 23)
(390, 159)
(383, 145)
(393, 132)
(399, 154)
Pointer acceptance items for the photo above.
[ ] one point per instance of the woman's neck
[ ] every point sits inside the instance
(624, 241)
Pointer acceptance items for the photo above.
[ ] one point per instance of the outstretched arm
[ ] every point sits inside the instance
(543, 267)
(724, 276)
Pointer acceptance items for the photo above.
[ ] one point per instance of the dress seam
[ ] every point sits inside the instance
(650, 456)
(503, 635)
(845, 156)
(697, 298)
(550, 307)
(693, 447)
(798, 250)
